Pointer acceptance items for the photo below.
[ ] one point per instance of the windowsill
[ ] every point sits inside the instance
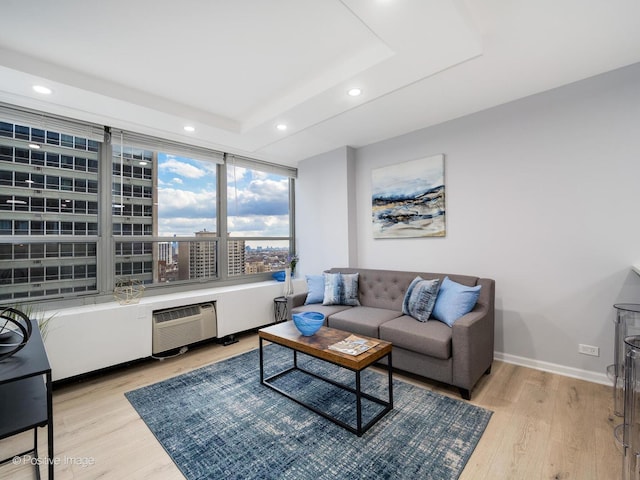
(160, 299)
(158, 292)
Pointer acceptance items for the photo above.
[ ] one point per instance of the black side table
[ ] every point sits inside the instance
(280, 312)
(26, 397)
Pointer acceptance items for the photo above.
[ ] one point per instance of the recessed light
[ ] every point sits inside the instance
(142, 163)
(281, 126)
(34, 145)
(354, 92)
(42, 89)
(189, 128)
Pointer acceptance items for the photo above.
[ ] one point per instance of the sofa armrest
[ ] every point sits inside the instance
(472, 348)
(295, 300)
(473, 340)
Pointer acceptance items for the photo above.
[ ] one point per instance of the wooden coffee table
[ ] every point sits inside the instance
(317, 345)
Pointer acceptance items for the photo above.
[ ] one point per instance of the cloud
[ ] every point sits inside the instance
(247, 226)
(181, 226)
(258, 202)
(259, 226)
(173, 202)
(264, 196)
(185, 168)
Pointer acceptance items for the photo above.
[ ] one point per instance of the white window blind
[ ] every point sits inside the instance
(261, 165)
(156, 144)
(45, 121)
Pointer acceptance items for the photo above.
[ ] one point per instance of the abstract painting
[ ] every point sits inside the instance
(408, 199)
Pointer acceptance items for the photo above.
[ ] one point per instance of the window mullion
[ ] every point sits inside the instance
(292, 216)
(223, 245)
(106, 247)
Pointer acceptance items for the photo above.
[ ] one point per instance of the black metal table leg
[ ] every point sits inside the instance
(358, 405)
(390, 369)
(261, 363)
(360, 429)
(50, 424)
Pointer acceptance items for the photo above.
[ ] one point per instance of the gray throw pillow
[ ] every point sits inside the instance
(420, 298)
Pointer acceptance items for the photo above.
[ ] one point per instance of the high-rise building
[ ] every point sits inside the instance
(133, 201)
(198, 259)
(165, 252)
(48, 212)
(236, 256)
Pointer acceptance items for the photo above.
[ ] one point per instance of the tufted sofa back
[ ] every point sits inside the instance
(386, 288)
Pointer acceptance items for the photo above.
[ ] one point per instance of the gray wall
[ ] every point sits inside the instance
(326, 211)
(543, 195)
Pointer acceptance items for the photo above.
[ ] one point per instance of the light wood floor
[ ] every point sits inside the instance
(544, 426)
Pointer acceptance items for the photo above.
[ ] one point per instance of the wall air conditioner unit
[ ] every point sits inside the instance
(177, 327)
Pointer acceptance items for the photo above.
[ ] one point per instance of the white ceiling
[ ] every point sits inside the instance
(236, 68)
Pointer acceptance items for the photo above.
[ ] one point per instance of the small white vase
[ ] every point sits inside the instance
(288, 284)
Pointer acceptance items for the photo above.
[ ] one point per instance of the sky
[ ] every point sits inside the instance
(258, 202)
(408, 178)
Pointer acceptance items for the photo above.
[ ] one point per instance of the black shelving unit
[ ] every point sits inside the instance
(26, 397)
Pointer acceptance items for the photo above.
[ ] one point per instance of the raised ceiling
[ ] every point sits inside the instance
(234, 69)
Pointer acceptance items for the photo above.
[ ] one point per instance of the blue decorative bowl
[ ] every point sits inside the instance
(308, 323)
(279, 276)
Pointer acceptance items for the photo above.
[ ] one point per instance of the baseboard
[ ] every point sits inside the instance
(554, 368)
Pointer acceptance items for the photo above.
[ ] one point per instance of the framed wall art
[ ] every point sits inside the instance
(408, 199)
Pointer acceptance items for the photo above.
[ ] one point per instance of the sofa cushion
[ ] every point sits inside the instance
(315, 289)
(341, 289)
(420, 298)
(362, 320)
(454, 300)
(431, 338)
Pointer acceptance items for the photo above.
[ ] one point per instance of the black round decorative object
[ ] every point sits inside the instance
(15, 330)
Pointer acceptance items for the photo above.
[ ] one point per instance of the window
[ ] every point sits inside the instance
(258, 219)
(36, 209)
(166, 222)
(178, 223)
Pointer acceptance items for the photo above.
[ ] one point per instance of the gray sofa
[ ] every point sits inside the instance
(457, 355)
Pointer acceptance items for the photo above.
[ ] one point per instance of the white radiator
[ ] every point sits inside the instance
(177, 327)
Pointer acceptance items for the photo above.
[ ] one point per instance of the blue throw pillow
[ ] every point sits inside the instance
(341, 289)
(420, 298)
(454, 300)
(315, 289)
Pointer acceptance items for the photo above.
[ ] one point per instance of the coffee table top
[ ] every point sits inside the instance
(317, 345)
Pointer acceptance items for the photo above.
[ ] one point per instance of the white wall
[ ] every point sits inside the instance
(543, 195)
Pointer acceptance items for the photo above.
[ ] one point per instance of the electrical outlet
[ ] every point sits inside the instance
(589, 350)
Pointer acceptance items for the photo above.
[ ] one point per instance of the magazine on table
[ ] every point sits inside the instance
(353, 345)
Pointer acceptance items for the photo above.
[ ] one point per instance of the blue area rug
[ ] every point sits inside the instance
(219, 422)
